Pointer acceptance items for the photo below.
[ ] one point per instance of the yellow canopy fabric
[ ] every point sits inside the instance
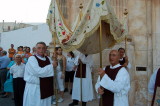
(84, 34)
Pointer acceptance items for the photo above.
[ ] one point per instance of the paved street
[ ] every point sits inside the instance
(6, 101)
(67, 100)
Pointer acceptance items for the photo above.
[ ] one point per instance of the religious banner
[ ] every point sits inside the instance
(84, 33)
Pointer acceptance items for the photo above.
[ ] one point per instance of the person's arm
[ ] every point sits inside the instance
(97, 85)
(14, 51)
(11, 70)
(115, 85)
(64, 67)
(9, 51)
(152, 82)
(64, 64)
(33, 68)
(82, 58)
(1, 59)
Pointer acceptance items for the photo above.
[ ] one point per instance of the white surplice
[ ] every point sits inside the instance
(87, 87)
(32, 89)
(152, 81)
(120, 86)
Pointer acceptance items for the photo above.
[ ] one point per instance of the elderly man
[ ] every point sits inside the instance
(114, 84)
(4, 61)
(17, 70)
(39, 78)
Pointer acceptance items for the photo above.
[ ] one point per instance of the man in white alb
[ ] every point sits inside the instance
(114, 84)
(39, 78)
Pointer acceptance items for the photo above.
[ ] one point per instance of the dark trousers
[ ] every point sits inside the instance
(83, 103)
(3, 74)
(18, 86)
(69, 75)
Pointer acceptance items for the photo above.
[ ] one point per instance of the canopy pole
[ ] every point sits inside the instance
(100, 44)
(100, 54)
(125, 14)
(125, 46)
(80, 16)
(55, 70)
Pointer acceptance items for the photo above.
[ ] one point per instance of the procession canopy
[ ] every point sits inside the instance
(77, 26)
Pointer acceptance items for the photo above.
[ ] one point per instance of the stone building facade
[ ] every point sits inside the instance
(143, 47)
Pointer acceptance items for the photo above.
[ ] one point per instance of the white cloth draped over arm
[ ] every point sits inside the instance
(82, 57)
(97, 84)
(152, 82)
(129, 65)
(119, 84)
(89, 60)
(98, 81)
(33, 68)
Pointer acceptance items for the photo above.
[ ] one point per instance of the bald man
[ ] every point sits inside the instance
(114, 84)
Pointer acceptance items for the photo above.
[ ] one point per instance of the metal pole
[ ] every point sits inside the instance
(81, 80)
(125, 46)
(100, 54)
(81, 6)
(55, 70)
(125, 13)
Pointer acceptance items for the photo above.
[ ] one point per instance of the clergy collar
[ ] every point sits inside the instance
(121, 59)
(39, 56)
(113, 67)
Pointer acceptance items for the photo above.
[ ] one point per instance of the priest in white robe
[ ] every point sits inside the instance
(153, 86)
(39, 78)
(113, 83)
(87, 87)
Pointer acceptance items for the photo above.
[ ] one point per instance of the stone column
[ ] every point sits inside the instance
(156, 32)
(139, 30)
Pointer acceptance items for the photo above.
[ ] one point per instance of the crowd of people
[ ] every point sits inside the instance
(14, 66)
(30, 77)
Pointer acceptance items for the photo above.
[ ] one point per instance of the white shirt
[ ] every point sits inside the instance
(18, 70)
(70, 64)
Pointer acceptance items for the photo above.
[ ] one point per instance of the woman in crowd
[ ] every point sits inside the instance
(70, 70)
(8, 85)
(20, 50)
(60, 73)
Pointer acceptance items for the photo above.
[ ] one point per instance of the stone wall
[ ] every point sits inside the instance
(143, 50)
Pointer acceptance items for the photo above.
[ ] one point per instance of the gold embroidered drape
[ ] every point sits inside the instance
(84, 34)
